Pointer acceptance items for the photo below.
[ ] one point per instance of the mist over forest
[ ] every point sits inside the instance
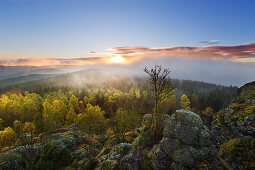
(127, 85)
(215, 72)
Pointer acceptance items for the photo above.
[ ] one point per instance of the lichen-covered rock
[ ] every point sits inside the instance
(160, 159)
(63, 143)
(188, 117)
(186, 142)
(118, 157)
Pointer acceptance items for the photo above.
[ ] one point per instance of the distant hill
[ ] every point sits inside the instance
(93, 77)
(13, 82)
(7, 72)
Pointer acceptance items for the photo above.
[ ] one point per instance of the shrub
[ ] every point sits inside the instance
(49, 156)
(144, 139)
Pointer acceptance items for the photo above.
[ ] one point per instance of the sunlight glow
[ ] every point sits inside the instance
(117, 60)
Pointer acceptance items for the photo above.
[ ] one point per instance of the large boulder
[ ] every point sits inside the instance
(185, 143)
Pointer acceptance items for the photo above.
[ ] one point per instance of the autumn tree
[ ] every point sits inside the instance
(28, 127)
(70, 117)
(124, 123)
(185, 103)
(208, 112)
(73, 102)
(59, 112)
(32, 108)
(17, 126)
(48, 119)
(7, 137)
(92, 122)
(10, 108)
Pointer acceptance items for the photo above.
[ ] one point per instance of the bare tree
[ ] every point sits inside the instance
(161, 86)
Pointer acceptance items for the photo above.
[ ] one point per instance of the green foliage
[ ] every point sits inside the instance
(215, 96)
(145, 139)
(240, 150)
(124, 122)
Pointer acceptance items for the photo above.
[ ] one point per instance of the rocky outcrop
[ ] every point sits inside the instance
(186, 142)
(122, 156)
(64, 145)
(234, 130)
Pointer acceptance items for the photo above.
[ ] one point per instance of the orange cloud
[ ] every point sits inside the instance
(244, 53)
(240, 53)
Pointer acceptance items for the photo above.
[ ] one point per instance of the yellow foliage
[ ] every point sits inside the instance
(92, 120)
(185, 103)
(208, 112)
(29, 127)
(109, 132)
(70, 117)
(137, 94)
(7, 136)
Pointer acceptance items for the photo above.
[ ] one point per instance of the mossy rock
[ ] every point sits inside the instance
(240, 150)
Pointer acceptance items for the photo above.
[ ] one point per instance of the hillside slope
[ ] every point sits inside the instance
(234, 129)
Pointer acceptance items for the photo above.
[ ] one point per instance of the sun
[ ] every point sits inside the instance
(117, 60)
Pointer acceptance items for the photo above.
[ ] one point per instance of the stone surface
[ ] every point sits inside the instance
(186, 142)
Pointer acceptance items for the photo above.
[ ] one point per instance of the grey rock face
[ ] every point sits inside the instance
(186, 142)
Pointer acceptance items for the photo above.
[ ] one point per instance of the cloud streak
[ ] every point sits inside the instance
(210, 42)
(244, 53)
(52, 61)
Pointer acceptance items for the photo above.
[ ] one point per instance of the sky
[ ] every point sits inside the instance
(215, 34)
